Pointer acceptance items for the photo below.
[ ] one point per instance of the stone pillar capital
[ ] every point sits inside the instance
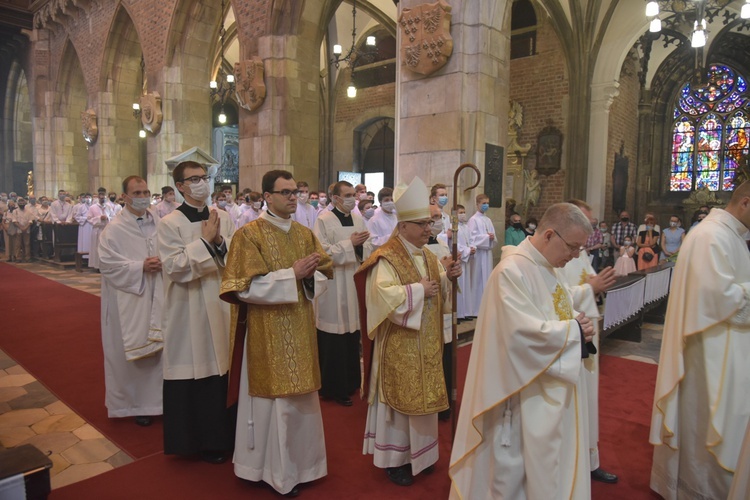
(603, 94)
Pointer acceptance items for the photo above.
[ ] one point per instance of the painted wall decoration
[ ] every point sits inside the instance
(549, 150)
(89, 126)
(426, 42)
(151, 114)
(250, 87)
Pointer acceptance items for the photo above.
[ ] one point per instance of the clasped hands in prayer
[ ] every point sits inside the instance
(211, 229)
(453, 270)
(306, 266)
(587, 327)
(152, 265)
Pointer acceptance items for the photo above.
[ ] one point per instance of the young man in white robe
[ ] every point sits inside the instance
(342, 235)
(132, 302)
(439, 197)
(232, 208)
(384, 220)
(466, 253)
(275, 269)
(522, 427)
(305, 213)
(700, 411)
(252, 213)
(585, 286)
(193, 241)
(167, 205)
(482, 238)
(99, 216)
(402, 289)
(80, 215)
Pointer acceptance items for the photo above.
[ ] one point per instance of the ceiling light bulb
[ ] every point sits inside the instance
(136, 106)
(745, 12)
(371, 41)
(337, 49)
(655, 26)
(230, 78)
(351, 91)
(142, 134)
(212, 84)
(222, 117)
(699, 38)
(652, 9)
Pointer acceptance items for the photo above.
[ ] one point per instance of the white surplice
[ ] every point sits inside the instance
(97, 226)
(480, 226)
(464, 281)
(740, 489)
(701, 409)
(305, 215)
(337, 309)
(196, 328)
(279, 441)
(575, 274)
(80, 215)
(393, 438)
(248, 215)
(132, 303)
(164, 208)
(521, 430)
(381, 227)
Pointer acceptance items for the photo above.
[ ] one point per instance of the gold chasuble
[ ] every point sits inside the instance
(282, 349)
(410, 366)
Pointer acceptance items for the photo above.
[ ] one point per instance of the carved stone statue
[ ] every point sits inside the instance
(151, 114)
(532, 190)
(89, 127)
(30, 183)
(250, 86)
(426, 42)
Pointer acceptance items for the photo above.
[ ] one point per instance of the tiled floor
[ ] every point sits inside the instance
(30, 414)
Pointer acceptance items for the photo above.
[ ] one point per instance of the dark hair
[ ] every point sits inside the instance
(361, 204)
(532, 220)
(460, 207)
(101, 190)
(383, 193)
(302, 184)
(167, 189)
(336, 191)
(270, 177)
(178, 174)
(127, 180)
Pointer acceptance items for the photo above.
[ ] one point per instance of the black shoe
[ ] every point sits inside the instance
(143, 421)
(343, 401)
(400, 475)
(429, 470)
(444, 415)
(603, 476)
(293, 493)
(213, 457)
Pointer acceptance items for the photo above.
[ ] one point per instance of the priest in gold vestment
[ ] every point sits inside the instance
(402, 288)
(274, 270)
(522, 425)
(701, 408)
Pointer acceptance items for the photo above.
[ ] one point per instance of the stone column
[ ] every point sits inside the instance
(602, 95)
(643, 180)
(445, 119)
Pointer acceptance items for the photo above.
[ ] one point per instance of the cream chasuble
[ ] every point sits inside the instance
(280, 437)
(701, 408)
(522, 429)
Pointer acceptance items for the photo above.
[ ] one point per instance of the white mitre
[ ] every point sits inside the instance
(412, 202)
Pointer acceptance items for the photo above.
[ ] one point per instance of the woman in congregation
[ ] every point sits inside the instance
(671, 239)
(647, 242)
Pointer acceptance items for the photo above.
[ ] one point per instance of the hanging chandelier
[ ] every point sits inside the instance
(224, 85)
(693, 14)
(351, 56)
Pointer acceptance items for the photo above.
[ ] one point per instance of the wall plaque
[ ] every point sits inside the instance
(493, 174)
(549, 151)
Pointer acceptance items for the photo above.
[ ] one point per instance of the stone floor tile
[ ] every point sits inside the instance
(11, 437)
(11, 393)
(642, 359)
(119, 459)
(54, 442)
(59, 464)
(3, 373)
(4, 408)
(58, 423)
(57, 408)
(76, 473)
(90, 451)
(16, 380)
(19, 418)
(87, 432)
(16, 370)
(34, 399)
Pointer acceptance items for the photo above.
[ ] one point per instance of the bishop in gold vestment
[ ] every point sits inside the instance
(279, 435)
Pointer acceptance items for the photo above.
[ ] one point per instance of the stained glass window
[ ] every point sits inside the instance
(710, 131)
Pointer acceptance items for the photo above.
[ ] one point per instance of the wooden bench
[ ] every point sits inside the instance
(28, 462)
(79, 261)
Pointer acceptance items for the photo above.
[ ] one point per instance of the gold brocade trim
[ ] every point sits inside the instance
(562, 305)
(411, 362)
(282, 349)
(584, 277)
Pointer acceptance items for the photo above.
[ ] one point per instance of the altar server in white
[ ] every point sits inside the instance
(80, 215)
(306, 213)
(584, 286)
(701, 407)
(384, 220)
(99, 216)
(132, 301)
(193, 241)
(522, 426)
(483, 239)
(342, 235)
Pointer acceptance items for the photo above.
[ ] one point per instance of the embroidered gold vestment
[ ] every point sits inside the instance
(282, 349)
(411, 369)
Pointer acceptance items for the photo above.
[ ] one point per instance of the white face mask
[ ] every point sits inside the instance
(362, 196)
(323, 200)
(199, 191)
(256, 205)
(348, 204)
(388, 206)
(462, 218)
(302, 198)
(532, 226)
(369, 213)
(222, 204)
(672, 224)
(437, 227)
(140, 204)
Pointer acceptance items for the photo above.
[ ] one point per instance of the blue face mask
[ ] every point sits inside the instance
(442, 201)
(314, 203)
(484, 207)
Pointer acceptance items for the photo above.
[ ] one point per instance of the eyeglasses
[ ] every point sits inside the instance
(572, 248)
(286, 193)
(197, 178)
(424, 224)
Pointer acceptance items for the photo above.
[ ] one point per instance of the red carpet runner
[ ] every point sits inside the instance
(53, 332)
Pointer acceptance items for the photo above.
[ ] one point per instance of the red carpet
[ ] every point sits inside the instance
(53, 331)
